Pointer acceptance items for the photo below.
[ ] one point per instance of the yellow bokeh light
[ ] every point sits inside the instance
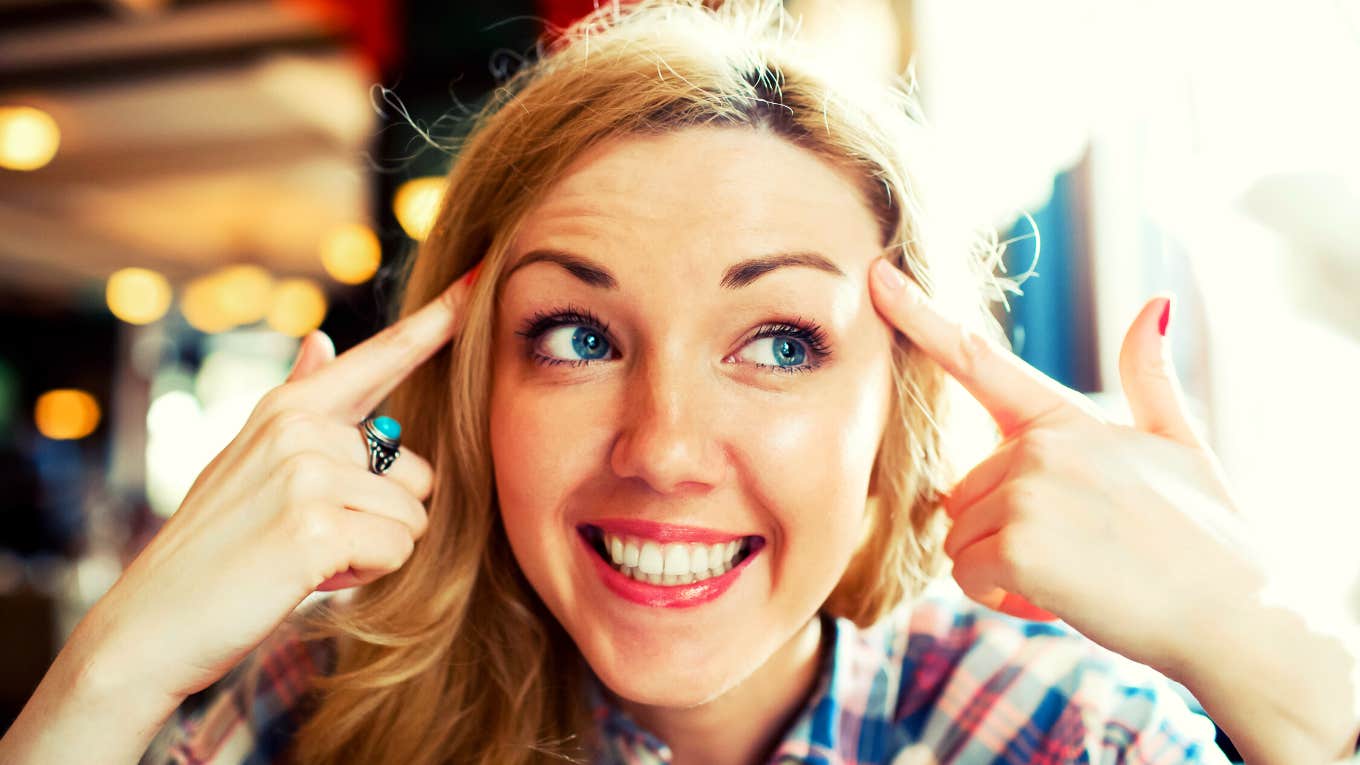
(297, 307)
(244, 293)
(351, 253)
(416, 203)
(137, 295)
(28, 138)
(66, 413)
(203, 306)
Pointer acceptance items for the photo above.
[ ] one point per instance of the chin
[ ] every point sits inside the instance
(667, 684)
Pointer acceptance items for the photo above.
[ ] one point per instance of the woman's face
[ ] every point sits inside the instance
(669, 395)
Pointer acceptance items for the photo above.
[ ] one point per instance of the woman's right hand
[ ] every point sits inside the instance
(289, 507)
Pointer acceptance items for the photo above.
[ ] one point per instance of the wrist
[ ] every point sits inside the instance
(104, 672)
(79, 708)
(1280, 682)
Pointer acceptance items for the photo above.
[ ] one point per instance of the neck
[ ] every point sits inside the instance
(744, 725)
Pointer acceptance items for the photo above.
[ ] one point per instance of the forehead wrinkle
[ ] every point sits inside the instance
(694, 200)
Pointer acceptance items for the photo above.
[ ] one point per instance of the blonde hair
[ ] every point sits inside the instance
(453, 658)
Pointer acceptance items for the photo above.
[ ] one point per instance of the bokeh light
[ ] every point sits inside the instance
(28, 138)
(243, 293)
(137, 295)
(171, 410)
(201, 302)
(297, 307)
(351, 253)
(66, 414)
(416, 203)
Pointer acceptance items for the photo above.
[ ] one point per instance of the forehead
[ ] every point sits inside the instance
(703, 191)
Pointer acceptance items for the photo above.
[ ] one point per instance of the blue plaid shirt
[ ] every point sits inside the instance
(942, 680)
(948, 681)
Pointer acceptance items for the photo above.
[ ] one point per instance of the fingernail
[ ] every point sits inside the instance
(888, 275)
(301, 349)
(1166, 317)
(471, 276)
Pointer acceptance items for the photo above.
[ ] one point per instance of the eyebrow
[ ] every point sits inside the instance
(737, 275)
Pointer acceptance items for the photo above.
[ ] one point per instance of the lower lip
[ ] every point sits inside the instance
(656, 596)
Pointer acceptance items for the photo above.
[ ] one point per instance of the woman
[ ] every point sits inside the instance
(683, 473)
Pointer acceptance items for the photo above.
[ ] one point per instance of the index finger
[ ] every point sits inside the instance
(360, 378)
(1013, 392)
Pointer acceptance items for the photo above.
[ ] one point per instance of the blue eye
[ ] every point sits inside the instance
(589, 338)
(790, 343)
(786, 351)
(581, 339)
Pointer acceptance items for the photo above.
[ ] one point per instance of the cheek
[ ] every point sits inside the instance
(539, 447)
(824, 441)
(815, 465)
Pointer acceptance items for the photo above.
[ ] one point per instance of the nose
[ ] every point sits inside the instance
(667, 430)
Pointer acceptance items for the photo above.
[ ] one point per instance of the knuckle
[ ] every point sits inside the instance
(972, 352)
(274, 401)
(1152, 371)
(420, 518)
(449, 300)
(408, 547)
(951, 542)
(403, 337)
(289, 428)
(1018, 499)
(1038, 448)
(1033, 441)
(311, 527)
(1142, 365)
(398, 547)
(969, 581)
(306, 475)
(423, 480)
(1010, 547)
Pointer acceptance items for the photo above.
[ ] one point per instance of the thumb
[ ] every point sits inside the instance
(314, 352)
(1149, 378)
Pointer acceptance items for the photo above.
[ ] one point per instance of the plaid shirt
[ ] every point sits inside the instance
(942, 680)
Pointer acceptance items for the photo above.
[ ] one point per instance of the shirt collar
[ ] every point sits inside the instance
(841, 699)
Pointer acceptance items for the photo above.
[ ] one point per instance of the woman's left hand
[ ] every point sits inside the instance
(1129, 534)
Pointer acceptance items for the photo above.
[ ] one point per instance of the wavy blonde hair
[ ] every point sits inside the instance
(453, 658)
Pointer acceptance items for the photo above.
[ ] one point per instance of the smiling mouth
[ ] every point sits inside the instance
(671, 564)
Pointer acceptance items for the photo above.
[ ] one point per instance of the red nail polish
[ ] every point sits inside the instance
(1166, 317)
(471, 276)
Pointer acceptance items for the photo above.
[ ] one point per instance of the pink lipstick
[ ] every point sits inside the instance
(659, 595)
(664, 533)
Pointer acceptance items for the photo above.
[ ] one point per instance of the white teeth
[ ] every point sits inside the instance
(671, 564)
(649, 559)
(677, 560)
(698, 559)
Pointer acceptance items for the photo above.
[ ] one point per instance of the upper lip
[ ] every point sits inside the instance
(663, 532)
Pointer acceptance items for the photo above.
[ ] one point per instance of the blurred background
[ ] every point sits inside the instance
(189, 186)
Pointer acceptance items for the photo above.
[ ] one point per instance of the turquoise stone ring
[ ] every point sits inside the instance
(388, 427)
(383, 436)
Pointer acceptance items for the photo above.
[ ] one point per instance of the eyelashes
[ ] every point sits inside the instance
(542, 321)
(808, 333)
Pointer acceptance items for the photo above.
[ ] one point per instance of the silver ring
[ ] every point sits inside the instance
(383, 436)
